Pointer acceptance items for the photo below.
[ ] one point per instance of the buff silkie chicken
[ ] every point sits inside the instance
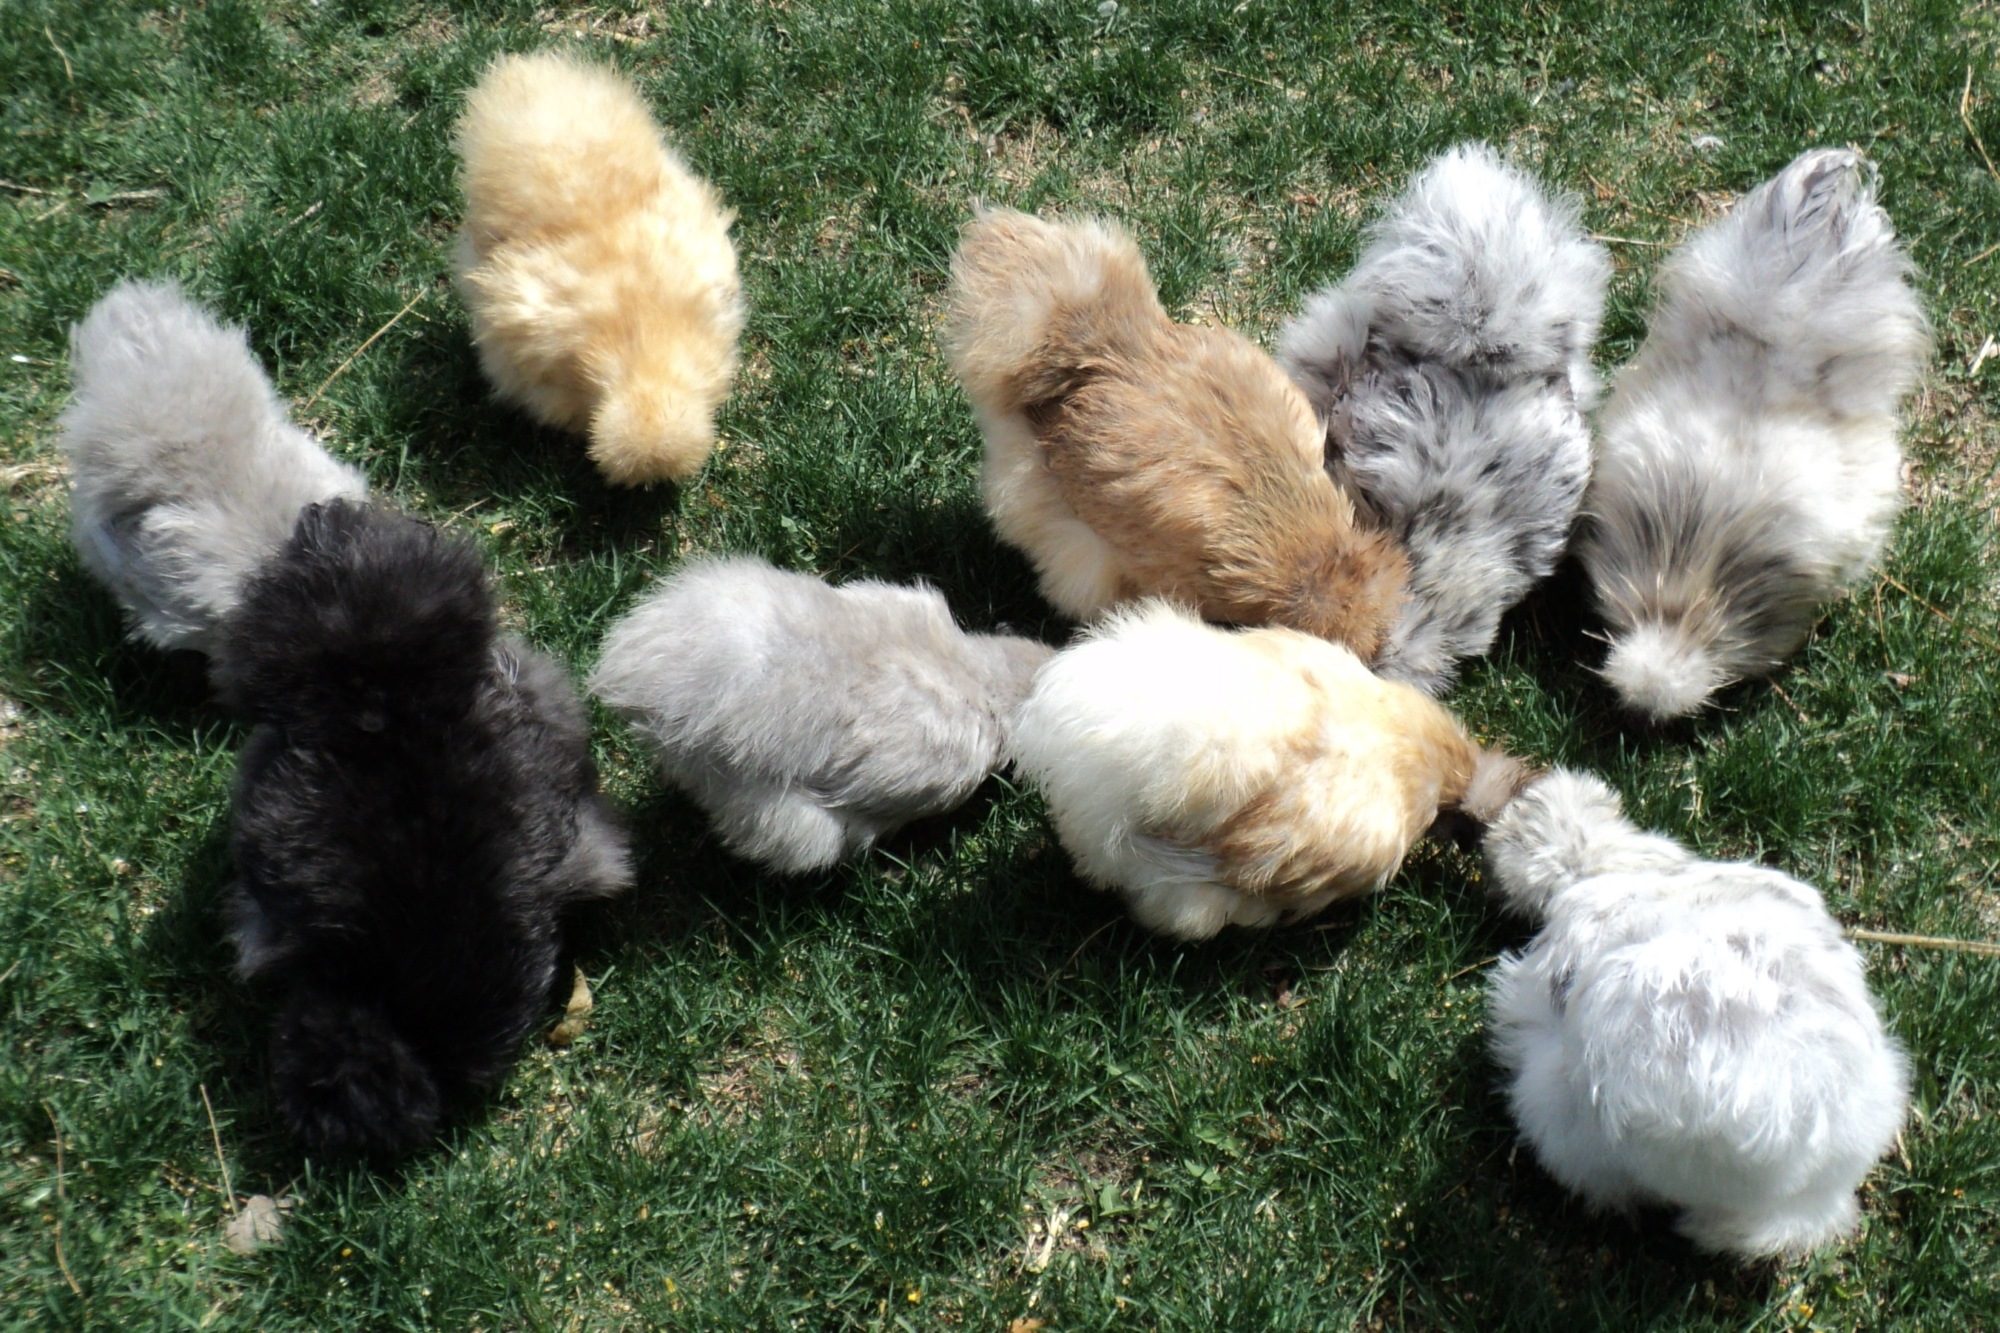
(1691, 1033)
(597, 268)
(1748, 467)
(186, 474)
(1452, 368)
(1129, 456)
(1248, 777)
(810, 720)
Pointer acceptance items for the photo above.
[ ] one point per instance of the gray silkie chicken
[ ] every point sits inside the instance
(809, 720)
(185, 473)
(1748, 469)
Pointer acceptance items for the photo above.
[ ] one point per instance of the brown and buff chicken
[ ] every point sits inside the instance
(1130, 456)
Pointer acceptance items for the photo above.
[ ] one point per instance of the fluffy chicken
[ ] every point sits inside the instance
(1452, 369)
(1683, 1032)
(415, 815)
(1248, 777)
(810, 720)
(1128, 455)
(185, 472)
(598, 269)
(1748, 468)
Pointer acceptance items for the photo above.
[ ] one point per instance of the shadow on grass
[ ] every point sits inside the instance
(949, 544)
(188, 948)
(1556, 638)
(686, 879)
(1028, 915)
(682, 881)
(1541, 1257)
(71, 658)
(467, 448)
(1034, 918)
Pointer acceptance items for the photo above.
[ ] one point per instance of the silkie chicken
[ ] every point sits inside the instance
(1748, 466)
(809, 720)
(1452, 370)
(1129, 456)
(185, 472)
(1248, 777)
(597, 267)
(1690, 1033)
(414, 814)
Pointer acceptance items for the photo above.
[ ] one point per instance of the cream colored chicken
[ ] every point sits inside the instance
(597, 267)
(1131, 456)
(1218, 777)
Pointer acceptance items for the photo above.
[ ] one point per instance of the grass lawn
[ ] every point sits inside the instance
(949, 1085)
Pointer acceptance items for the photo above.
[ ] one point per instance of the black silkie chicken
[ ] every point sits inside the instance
(414, 813)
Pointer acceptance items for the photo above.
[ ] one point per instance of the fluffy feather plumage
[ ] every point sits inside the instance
(810, 720)
(413, 814)
(185, 473)
(1128, 455)
(597, 267)
(1452, 369)
(1686, 1032)
(1748, 469)
(1216, 777)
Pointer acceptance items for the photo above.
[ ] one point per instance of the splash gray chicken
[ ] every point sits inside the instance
(1452, 370)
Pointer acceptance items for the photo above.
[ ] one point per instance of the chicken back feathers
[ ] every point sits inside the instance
(185, 473)
(1452, 367)
(1686, 1032)
(1748, 465)
(809, 720)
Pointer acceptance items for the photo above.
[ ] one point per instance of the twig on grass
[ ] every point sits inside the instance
(1987, 253)
(62, 1261)
(1797, 711)
(291, 222)
(1943, 615)
(1629, 240)
(1965, 116)
(124, 197)
(1984, 947)
(1986, 349)
(1050, 984)
(215, 1137)
(1239, 74)
(97, 201)
(353, 356)
(69, 71)
(1466, 971)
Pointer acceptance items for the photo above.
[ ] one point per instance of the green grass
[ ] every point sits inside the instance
(865, 1100)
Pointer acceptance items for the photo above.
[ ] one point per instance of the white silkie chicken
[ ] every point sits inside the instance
(1250, 777)
(1691, 1033)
